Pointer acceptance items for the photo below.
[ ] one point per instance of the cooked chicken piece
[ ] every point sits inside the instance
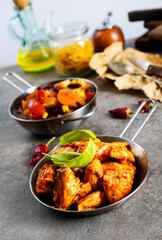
(118, 180)
(118, 144)
(91, 201)
(102, 151)
(85, 188)
(82, 143)
(105, 166)
(122, 154)
(94, 174)
(67, 186)
(45, 178)
(79, 172)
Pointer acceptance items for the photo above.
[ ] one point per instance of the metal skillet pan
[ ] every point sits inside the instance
(54, 126)
(142, 169)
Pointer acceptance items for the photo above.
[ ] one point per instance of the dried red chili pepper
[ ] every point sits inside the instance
(147, 107)
(38, 152)
(121, 112)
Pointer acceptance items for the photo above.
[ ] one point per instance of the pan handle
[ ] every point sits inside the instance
(13, 74)
(134, 116)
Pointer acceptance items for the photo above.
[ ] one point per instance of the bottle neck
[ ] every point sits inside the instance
(27, 17)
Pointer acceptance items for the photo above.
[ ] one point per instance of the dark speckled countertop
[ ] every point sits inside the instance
(24, 218)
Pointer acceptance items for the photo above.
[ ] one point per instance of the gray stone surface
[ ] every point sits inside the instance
(22, 217)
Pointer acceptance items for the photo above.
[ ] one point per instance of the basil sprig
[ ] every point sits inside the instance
(76, 135)
(74, 159)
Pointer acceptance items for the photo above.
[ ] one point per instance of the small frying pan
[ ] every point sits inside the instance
(142, 169)
(50, 126)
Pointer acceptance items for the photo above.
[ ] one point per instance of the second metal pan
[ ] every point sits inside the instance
(56, 126)
(142, 169)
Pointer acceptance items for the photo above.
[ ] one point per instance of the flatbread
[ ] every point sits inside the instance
(99, 63)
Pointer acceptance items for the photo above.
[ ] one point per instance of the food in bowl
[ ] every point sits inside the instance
(55, 99)
(73, 59)
(86, 173)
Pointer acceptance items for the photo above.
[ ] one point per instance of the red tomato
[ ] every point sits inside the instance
(36, 108)
(41, 96)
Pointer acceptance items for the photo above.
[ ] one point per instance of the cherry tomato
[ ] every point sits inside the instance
(36, 108)
(41, 96)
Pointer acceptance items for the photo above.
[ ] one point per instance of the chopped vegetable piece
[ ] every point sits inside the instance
(52, 94)
(51, 102)
(64, 83)
(67, 97)
(26, 112)
(121, 112)
(36, 108)
(81, 93)
(65, 108)
(41, 96)
(31, 95)
(24, 104)
(147, 107)
(45, 115)
(89, 96)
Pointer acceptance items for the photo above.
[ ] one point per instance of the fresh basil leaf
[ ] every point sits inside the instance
(76, 135)
(73, 159)
(63, 156)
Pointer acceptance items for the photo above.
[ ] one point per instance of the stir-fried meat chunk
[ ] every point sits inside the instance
(45, 178)
(91, 201)
(123, 154)
(79, 172)
(118, 180)
(118, 144)
(85, 188)
(67, 186)
(102, 151)
(94, 173)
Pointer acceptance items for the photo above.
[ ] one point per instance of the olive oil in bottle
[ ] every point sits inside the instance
(35, 54)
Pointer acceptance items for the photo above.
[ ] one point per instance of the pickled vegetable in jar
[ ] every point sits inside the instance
(72, 49)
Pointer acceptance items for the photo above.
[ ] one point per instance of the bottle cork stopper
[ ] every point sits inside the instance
(20, 3)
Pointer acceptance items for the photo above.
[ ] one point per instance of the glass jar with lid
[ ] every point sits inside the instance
(72, 49)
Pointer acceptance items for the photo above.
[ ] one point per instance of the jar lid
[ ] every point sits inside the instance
(70, 30)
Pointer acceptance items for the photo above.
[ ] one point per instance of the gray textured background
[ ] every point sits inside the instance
(22, 217)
